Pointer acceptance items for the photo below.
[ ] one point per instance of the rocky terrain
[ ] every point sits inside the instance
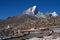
(32, 17)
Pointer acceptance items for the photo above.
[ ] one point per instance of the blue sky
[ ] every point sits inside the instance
(16, 7)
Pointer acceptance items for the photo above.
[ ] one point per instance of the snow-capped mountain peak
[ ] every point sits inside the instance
(54, 14)
(32, 11)
(33, 8)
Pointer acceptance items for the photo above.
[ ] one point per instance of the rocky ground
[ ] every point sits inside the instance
(55, 35)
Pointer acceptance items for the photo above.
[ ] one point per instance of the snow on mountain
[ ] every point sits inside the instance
(29, 12)
(54, 14)
(33, 11)
(51, 14)
(40, 15)
(33, 8)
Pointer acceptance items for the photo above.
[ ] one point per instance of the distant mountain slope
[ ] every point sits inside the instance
(17, 19)
(36, 17)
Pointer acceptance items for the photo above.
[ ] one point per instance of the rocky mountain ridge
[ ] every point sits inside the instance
(32, 17)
